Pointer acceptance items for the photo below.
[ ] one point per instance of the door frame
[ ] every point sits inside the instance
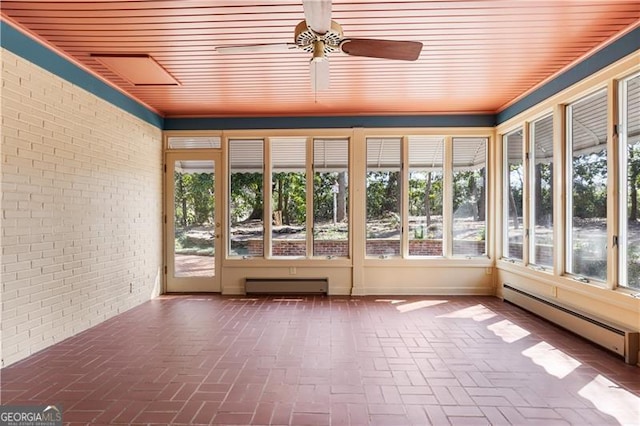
(192, 284)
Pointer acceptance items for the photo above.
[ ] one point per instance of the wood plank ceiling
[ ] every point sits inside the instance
(478, 55)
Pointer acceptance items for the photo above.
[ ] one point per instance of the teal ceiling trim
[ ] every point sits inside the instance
(40, 55)
(624, 46)
(331, 122)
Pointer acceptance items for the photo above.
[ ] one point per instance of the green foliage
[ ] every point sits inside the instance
(246, 196)
(590, 185)
(516, 184)
(633, 224)
(185, 244)
(544, 193)
(418, 232)
(323, 195)
(468, 192)
(194, 200)
(419, 184)
(289, 196)
(633, 173)
(383, 194)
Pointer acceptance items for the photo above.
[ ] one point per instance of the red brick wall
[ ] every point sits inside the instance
(375, 247)
(383, 247)
(425, 247)
(338, 248)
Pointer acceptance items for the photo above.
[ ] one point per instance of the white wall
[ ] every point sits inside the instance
(429, 279)
(81, 209)
(234, 274)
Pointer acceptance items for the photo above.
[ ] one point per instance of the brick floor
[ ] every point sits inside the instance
(207, 359)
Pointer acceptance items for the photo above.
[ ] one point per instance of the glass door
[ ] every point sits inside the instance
(193, 225)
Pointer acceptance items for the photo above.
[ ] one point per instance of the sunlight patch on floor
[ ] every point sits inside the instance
(613, 400)
(476, 313)
(392, 301)
(508, 331)
(553, 360)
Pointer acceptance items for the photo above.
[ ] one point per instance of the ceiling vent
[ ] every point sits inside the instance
(138, 69)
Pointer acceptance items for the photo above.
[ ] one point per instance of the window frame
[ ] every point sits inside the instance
(568, 174)
(307, 183)
(532, 208)
(357, 167)
(312, 203)
(406, 174)
(622, 132)
(402, 201)
(449, 195)
(506, 188)
(227, 213)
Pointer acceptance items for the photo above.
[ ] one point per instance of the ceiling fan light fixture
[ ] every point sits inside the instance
(321, 36)
(318, 51)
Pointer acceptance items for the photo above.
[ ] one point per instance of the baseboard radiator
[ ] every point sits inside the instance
(286, 286)
(620, 340)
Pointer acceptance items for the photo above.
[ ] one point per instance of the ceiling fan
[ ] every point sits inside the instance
(319, 35)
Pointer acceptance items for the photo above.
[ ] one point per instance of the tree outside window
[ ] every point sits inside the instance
(246, 206)
(587, 125)
(513, 200)
(542, 201)
(384, 185)
(426, 157)
(469, 196)
(630, 204)
(331, 197)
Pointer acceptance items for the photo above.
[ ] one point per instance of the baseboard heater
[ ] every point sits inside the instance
(286, 286)
(620, 340)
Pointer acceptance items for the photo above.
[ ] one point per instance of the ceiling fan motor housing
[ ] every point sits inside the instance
(305, 38)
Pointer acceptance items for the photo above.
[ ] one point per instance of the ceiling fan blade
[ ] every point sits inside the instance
(256, 48)
(317, 13)
(385, 49)
(319, 73)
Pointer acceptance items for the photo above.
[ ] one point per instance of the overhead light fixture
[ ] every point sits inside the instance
(318, 51)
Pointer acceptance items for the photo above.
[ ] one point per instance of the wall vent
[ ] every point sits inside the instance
(619, 339)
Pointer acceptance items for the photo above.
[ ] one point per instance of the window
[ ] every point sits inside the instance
(193, 142)
(541, 159)
(194, 218)
(289, 197)
(425, 195)
(587, 212)
(630, 184)
(246, 222)
(513, 197)
(469, 196)
(331, 197)
(384, 182)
